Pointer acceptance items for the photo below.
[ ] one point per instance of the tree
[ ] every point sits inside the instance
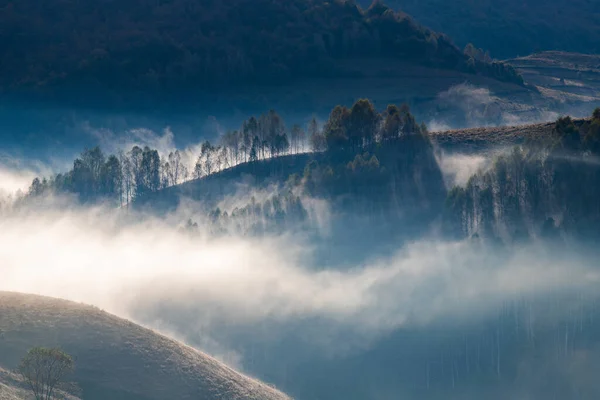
(82, 180)
(44, 370)
(273, 128)
(198, 169)
(297, 137)
(36, 187)
(280, 145)
(135, 156)
(174, 167)
(316, 138)
(231, 145)
(206, 158)
(409, 123)
(128, 177)
(112, 179)
(392, 123)
(362, 123)
(336, 128)
(165, 174)
(150, 168)
(254, 149)
(250, 131)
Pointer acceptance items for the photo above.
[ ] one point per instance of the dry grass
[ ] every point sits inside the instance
(115, 358)
(482, 139)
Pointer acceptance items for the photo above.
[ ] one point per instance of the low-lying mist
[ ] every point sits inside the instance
(269, 305)
(136, 265)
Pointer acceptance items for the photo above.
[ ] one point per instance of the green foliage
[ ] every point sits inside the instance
(44, 369)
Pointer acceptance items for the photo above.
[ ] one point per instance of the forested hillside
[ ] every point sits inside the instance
(379, 165)
(372, 167)
(258, 145)
(511, 28)
(547, 188)
(158, 47)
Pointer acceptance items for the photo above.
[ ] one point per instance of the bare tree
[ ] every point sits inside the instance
(128, 178)
(44, 370)
(175, 167)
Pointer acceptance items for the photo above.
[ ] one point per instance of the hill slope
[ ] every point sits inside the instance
(563, 76)
(151, 46)
(115, 358)
(509, 28)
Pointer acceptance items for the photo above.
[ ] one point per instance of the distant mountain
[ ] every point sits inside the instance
(115, 359)
(154, 46)
(510, 28)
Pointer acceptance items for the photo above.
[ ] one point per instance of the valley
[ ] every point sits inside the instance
(300, 199)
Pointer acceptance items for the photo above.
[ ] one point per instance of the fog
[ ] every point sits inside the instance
(229, 294)
(468, 106)
(128, 263)
(16, 174)
(458, 168)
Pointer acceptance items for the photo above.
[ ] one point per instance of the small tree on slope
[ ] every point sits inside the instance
(44, 370)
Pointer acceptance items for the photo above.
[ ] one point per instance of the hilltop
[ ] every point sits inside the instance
(116, 358)
(148, 47)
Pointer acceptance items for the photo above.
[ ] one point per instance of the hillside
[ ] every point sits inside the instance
(12, 387)
(486, 138)
(146, 46)
(562, 76)
(115, 358)
(478, 139)
(509, 28)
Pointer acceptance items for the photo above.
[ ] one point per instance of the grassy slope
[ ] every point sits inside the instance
(481, 139)
(12, 387)
(115, 358)
(560, 75)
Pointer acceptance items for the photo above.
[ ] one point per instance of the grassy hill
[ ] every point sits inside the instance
(486, 138)
(115, 358)
(159, 47)
(509, 28)
(563, 76)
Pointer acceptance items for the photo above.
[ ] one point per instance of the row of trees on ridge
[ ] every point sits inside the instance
(121, 178)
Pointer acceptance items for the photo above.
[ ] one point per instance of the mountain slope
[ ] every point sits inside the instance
(509, 28)
(115, 358)
(151, 46)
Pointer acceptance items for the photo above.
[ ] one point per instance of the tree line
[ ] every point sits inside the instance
(121, 178)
